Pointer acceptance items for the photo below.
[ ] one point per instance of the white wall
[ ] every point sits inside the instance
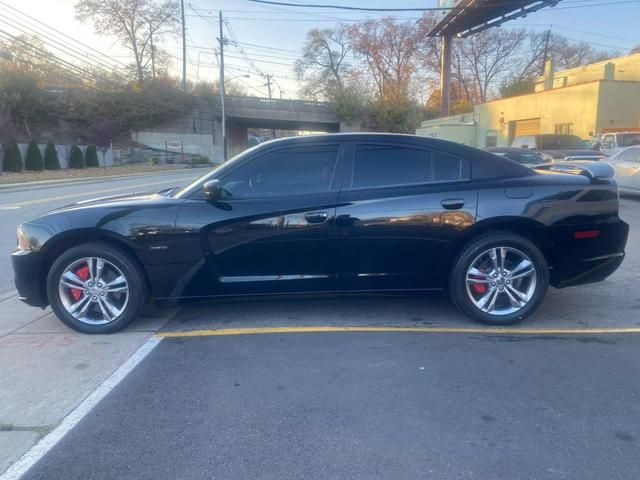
(193, 143)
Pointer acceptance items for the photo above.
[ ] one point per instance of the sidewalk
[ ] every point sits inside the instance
(48, 369)
(65, 181)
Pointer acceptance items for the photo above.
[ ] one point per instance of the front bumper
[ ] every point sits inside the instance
(28, 277)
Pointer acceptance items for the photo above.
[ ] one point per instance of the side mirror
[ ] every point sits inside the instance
(213, 190)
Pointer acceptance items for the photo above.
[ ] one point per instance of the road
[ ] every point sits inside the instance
(366, 405)
(23, 203)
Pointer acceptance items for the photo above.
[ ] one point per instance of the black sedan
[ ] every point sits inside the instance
(332, 213)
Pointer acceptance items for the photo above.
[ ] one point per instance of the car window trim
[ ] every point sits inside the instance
(348, 175)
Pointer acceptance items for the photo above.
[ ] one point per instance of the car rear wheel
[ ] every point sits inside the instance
(96, 288)
(499, 279)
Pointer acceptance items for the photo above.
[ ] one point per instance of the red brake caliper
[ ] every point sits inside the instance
(479, 288)
(83, 274)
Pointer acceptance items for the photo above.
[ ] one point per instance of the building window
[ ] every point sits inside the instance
(564, 128)
(491, 139)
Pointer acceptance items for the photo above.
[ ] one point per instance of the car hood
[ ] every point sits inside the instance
(120, 200)
(573, 152)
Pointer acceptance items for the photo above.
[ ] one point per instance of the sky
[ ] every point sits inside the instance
(270, 37)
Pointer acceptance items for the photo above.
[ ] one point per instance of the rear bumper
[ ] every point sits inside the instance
(588, 260)
(27, 270)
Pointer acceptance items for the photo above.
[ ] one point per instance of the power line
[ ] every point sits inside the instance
(37, 28)
(344, 7)
(50, 59)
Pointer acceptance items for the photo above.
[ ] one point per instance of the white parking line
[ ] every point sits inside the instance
(47, 442)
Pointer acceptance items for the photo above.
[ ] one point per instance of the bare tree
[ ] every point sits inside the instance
(568, 54)
(488, 56)
(133, 22)
(388, 49)
(323, 66)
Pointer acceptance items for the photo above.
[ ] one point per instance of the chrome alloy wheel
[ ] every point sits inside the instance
(501, 281)
(93, 290)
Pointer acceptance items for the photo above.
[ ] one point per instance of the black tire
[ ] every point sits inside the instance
(471, 251)
(138, 291)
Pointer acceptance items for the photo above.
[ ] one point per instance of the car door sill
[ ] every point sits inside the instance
(302, 293)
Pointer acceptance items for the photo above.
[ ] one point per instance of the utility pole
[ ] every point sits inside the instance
(445, 75)
(222, 113)
(546, 50)
(273, 130)
(269, 84)
(184, 50)
(153, 53)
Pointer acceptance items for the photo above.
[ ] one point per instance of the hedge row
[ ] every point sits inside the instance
(34, 162)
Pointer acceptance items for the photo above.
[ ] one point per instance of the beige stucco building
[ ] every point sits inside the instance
(582, 101)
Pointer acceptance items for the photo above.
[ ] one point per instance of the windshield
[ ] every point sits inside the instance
(553, 142)
(526, 158)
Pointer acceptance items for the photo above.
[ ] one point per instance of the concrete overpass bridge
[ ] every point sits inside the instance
(203, 129)
(256, 112)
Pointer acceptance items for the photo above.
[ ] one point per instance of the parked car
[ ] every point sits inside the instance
(556, 147)
(524, 156)
(626, 164)
(611, 143)
(347, 213)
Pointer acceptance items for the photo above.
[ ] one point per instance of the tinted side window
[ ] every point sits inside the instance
(449, 168)
(387, 165)
(288, 171)
(379, 165)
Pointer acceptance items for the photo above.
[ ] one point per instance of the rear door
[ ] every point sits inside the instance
(399, 211)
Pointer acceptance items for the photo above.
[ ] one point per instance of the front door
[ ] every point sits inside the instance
(272, 231)
(400, 210)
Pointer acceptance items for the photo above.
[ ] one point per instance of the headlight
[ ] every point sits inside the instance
(23, 240)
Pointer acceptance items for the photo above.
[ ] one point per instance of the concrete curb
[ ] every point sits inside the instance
(7, 186)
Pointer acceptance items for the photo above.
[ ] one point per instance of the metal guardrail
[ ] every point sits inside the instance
(277, 104)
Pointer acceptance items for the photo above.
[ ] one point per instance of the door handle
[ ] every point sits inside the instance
(316, 217)
(452, 203)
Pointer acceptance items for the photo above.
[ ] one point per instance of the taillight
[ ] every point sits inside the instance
(586, 234)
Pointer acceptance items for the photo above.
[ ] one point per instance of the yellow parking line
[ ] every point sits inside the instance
(84, 194)
(316, 329)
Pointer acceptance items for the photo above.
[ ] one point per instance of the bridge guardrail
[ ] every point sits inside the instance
(277, 104)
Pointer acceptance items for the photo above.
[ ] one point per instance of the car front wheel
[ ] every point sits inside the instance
(96, 288)
(499, 279)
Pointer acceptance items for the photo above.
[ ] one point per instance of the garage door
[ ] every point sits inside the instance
(527, 127)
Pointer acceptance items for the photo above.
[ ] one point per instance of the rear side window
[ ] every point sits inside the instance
(449, 168)
(390, 165)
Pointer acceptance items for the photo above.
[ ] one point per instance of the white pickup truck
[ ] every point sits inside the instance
(613, 142)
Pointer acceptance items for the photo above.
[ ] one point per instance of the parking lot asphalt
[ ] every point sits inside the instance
(365, 405)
